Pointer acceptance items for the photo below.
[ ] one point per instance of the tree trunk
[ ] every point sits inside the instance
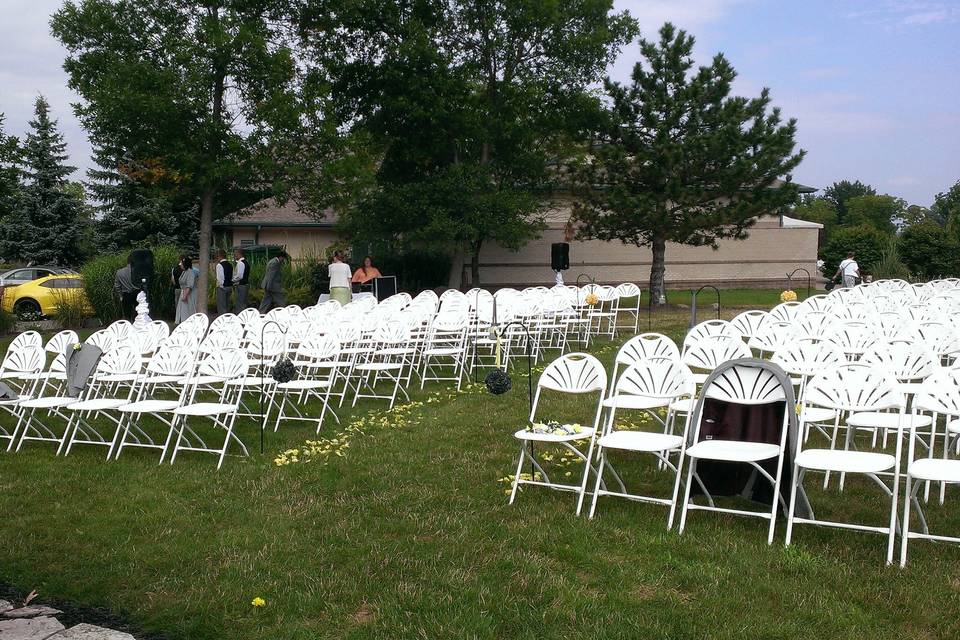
(206, 233)
(455, 279)
(657, 268)
(475, 264)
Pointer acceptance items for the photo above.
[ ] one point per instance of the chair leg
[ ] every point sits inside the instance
(586, 473)
(516, 477)
(601, 454)
(686, 495)
(794, 485)
(905, 532)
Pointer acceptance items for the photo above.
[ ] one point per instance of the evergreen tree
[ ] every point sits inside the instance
(48, 217)
(138, 207)
(680, 159)
(9, 171)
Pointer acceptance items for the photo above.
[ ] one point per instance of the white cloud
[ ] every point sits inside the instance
(909, 13)
(686, 14)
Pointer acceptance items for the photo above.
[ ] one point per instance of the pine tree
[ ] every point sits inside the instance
(137, 212)
(9, 171)
(680, 159)
(47, 221)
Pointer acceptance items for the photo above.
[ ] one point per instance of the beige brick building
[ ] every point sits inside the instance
(776, 246)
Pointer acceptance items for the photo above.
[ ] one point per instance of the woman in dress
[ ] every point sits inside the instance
(187, 302)
(339, 273)
(367, 272)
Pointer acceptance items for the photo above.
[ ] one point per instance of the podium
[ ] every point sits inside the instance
(384, 287)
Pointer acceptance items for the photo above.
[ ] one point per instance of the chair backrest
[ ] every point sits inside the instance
(220, 339)
(26, 358)
(748, 323)
(61, 341)
(249, 313)
(574, 373)
(773, 336)
(647, 345)
(317, 347)
(940, 394)
(708, 353)
(851, 339)
(854, 387)
(786, 311)
(710, 329)
(104, 339)
(904, 360)
(746, 384)
(226, 322)
(807, 357)
(660, 378)
(629, 290)
(26, 338)
(173, 361)
(121, 330)
(815, 324)
(121, 360)
(227, 364)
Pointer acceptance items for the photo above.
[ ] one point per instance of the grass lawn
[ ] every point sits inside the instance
(408, 534)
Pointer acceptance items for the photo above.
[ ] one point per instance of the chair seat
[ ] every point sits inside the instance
(205, 409)
(443, 351)
(149, 379)
(818, 414)
(954, 426)
(395, 351)
(118, 377)
(733, 451)
(523, 434)
(882, 420)
(202, 380)
(303, 385)
(252, 381)
(45, 375)
(913, 388)
(150, 406)
(19, 400)
(379, 366)
(700, 378)
(843, 460)
(635, 402)
(50, 402)
(641, 441)
(935, 469)
(98, 404)
(683, 405)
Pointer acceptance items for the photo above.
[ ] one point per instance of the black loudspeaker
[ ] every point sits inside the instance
(560, 256)
(141, 261)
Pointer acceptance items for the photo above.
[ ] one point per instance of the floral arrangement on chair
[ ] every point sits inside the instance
(591, 299)
(552, 427)
(788, 296)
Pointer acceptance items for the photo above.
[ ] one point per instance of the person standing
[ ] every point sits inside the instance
(175, 274)
(273, 283)
(224, 272)
(187, 302)
(241, 281)
(125, 290)
(339, 273)
(848, 271)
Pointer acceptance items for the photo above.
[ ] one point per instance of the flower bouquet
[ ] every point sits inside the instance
(552, 427)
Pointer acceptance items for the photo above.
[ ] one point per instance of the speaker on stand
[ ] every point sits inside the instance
(141, 268)
(560, 259)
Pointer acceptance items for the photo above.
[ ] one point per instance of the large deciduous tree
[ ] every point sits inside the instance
(680, 159)
(48, 215)
(467, 104)
(840, 193)
(198, 88)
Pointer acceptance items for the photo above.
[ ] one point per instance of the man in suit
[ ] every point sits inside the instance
(273, 283)
(125, 289)
(241, 280)
(224, 273)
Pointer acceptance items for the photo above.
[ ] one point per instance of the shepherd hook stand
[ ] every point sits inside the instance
(263, 376)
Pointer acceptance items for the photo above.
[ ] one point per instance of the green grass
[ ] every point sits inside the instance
(409, 535)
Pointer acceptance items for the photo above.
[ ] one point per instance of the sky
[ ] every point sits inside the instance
(874, 84)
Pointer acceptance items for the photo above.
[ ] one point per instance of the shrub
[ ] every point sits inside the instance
(71, 308)
(930, 252)
(98, 275)
(8, 321)
(416, 270)
(865, 241)
(889, 265)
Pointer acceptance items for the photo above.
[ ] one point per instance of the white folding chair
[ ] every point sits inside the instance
(317, 359)
(852, 388)
(645, 386)
(573, 373)
(747, 382)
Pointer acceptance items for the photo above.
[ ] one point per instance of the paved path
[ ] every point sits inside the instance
(40, 623)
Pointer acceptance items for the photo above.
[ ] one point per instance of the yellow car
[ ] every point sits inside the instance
(33, 300)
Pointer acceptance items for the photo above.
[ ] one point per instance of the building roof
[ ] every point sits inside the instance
(269, 213)
(795, 223)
